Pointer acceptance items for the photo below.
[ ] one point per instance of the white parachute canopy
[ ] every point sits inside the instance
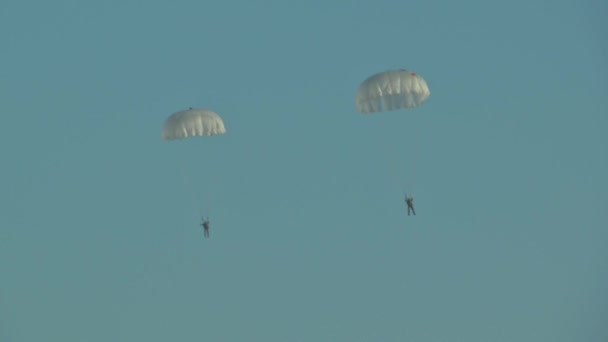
(192, 123)
(391, 90)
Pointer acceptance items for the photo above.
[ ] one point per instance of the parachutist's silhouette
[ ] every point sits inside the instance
(205, 225)
(410, 204)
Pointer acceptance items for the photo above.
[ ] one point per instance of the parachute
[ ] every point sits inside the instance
(192, 123)
(391, 90)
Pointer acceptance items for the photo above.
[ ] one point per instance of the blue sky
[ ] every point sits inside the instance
(310, 241)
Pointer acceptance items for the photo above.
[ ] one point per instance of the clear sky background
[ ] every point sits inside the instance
(310, 240)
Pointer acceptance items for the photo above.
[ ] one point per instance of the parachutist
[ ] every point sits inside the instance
(206, 225)
(410, 204)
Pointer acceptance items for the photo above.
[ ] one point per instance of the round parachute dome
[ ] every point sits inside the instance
(192, 123)
(391, 90)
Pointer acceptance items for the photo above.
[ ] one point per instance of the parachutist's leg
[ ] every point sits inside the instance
(413, 211)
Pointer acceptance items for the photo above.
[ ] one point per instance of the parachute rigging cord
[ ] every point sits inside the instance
(398, 175)
(197, 199)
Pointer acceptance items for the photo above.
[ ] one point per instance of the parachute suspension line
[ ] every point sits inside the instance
(390, 158)
(206, 199)
(201, 193)
(196, 201)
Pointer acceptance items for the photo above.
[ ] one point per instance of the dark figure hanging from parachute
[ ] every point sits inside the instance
(205, 225)
(410, 204)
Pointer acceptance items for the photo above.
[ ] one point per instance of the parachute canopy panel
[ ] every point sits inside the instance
(391, 90)
(192, 123)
